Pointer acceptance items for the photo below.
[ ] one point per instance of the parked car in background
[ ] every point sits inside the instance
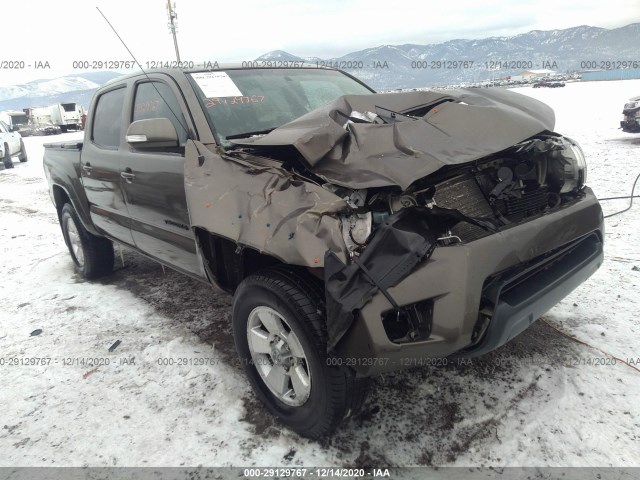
(12, 145)
(547, 84)
(631, 116)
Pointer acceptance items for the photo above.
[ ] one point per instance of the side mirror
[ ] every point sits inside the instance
(152, 133)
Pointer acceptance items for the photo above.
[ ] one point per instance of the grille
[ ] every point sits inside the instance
(462, 193)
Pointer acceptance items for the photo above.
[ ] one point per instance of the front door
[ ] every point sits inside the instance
(154, 181)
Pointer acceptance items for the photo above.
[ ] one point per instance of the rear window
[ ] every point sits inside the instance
(107, 119)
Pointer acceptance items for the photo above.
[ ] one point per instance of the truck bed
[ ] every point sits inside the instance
(63, 170)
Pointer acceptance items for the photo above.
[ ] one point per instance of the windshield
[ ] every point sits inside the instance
(240, 102)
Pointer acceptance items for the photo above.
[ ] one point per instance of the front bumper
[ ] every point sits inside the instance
(630, 120)
(631, 125)
(520, 272)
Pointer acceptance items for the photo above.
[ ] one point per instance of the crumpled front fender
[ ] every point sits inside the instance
(262, 206)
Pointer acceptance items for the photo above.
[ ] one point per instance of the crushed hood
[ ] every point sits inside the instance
(468, 125)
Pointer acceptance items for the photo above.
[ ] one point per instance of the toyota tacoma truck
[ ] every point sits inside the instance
(358, 232)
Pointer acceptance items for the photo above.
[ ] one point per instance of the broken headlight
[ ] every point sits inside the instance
(570, 168)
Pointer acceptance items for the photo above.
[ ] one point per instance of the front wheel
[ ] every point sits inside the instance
(280, 334)
(92, 255)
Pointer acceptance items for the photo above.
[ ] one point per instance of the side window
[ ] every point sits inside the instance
(2, 127)
(107, 119)
(148, 103)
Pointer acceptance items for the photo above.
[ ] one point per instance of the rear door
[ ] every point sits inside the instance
(154, 187)
(101, 166)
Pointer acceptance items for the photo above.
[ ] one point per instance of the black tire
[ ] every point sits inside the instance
(63, 128)
(335, 393)
(7, 160)
(23, 152)
(97, 252)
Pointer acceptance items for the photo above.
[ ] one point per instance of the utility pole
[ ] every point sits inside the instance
(173, 16)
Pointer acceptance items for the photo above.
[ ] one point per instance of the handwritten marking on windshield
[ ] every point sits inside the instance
(212, 102)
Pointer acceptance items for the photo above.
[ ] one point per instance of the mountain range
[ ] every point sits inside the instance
(406, 66)
(77, 88)
(411, 65)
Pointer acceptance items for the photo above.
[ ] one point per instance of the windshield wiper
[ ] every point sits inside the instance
(248, 134)
(393, 117)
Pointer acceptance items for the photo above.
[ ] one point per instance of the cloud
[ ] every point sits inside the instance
(66, 32)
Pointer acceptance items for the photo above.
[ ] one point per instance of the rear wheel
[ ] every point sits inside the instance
(23, 152)
(6, 160)
(280, 334)
(92, 255)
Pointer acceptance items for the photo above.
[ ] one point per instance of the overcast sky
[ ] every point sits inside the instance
(62, 32)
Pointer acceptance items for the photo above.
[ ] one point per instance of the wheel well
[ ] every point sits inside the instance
(229, 262)
(60, 197)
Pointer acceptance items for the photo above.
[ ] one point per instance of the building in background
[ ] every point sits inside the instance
(619, 74)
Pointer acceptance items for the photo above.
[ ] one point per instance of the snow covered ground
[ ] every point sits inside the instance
(542, 400)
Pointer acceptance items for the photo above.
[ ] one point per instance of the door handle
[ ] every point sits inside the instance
(128, 175)
(87, 168)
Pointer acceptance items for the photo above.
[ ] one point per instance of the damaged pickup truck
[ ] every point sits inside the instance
(359, 232)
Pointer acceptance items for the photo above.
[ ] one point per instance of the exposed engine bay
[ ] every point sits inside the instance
(470, 202)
